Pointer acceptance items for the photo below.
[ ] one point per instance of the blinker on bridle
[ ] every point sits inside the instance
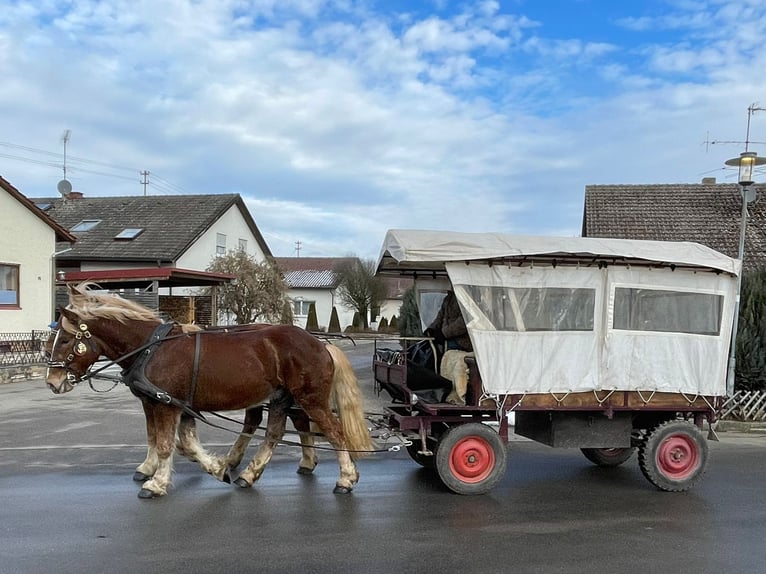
(78, 350)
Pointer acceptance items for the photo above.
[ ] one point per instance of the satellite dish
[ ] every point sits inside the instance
(64, 187)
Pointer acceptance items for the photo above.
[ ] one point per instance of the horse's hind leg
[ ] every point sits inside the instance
(189, 445)
(330, 426)
(302, 424)
(275, 430)
(146, 469)
(166, 421)
(253, 419)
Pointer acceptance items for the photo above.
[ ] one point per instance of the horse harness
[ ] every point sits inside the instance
(136, 380)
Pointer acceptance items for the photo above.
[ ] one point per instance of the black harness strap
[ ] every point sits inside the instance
(135, 376)
(195, 369)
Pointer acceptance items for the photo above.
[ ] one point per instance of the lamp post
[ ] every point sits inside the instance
(746, 162)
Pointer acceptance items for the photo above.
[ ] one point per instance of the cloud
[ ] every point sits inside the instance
(339, 119)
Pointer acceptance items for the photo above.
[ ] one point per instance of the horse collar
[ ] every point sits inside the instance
(135, 377)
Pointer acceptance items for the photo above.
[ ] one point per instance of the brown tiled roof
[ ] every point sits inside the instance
(311, 263)
(171, 224)
(706, 213)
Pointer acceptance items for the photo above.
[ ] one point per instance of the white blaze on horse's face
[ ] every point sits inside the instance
(70, 355)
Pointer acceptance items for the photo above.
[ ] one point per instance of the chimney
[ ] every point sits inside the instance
(708, 181)
(78, 194)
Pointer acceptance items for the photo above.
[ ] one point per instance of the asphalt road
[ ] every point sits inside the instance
(68, 504)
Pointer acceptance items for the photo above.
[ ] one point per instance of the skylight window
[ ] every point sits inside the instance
(129, 233)
(43, 206)
(85, 225)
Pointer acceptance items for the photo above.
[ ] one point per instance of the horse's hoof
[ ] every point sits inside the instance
(242, 483)
(146, 493)
(226, 476)
(305, 471)
(139, 476)
(341, 489)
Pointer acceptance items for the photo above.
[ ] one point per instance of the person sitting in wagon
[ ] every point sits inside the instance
(449, 329)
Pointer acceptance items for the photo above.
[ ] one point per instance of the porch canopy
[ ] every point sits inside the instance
(138, 278)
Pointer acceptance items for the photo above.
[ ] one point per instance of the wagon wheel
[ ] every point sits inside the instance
(607, 457)
(471, 458)
(673, 456)
(424, 460)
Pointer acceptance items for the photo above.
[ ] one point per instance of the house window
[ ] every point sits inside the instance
(301, 307)
(220, 244)
(667, 311)
(85, 225)
(243, 244)
(129, 233)
(9, 285)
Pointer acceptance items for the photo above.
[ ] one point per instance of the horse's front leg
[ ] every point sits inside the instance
(146, 469)
(191, 448)
(275, 430)
(166, 420)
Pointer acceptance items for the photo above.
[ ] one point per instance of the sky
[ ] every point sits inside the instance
(336, 120)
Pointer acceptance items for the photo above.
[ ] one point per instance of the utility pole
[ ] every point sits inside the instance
(145, 181)
(297, 248)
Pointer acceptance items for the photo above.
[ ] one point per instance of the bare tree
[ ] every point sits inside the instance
(359, 288)
(259, 292)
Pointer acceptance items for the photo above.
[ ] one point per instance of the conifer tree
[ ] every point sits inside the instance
(312, 324)
(334, 322)
(751, 335)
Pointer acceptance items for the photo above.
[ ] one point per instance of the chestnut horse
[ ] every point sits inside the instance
(184, 372)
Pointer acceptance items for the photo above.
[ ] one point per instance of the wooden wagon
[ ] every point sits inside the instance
(606, 345)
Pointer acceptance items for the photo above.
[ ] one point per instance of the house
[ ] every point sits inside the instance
(313, 280)
(708, 213)
(155, 249)
(27, 252)
(396, 287)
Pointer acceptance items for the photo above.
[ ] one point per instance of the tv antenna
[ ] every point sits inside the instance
(747, 143)
(63, 186)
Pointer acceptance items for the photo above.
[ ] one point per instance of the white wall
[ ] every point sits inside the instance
(202, 252)
(324, 299)
(28, 242)
(231, 224)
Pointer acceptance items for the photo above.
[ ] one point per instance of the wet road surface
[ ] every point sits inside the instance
(68, 504)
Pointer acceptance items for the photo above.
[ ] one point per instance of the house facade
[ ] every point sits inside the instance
(156, 249)
(27, 253)
(313, 280)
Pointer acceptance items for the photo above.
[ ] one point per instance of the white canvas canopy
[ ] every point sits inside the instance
(562, 315)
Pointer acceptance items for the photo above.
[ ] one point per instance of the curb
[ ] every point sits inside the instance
(755, 427)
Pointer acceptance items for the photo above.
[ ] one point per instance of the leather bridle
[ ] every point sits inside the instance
(81, 346)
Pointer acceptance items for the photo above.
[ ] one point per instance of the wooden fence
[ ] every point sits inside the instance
(745, 406)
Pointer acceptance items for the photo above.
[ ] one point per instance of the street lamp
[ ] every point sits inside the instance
(746, 162)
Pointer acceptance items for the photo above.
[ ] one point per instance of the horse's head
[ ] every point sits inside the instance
(71, 351)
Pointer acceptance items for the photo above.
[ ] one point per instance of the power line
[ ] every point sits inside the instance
(163, 185)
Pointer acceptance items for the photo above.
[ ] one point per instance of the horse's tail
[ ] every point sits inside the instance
(348, 402)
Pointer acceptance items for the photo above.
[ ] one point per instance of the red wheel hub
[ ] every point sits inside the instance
(678, 457)
(472, 460)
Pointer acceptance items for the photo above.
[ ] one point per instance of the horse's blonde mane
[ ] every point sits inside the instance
(88, 304)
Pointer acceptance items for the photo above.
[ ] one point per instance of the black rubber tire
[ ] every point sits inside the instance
(471, 458)
(673, 456)
(422, 459)
(607, 457)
